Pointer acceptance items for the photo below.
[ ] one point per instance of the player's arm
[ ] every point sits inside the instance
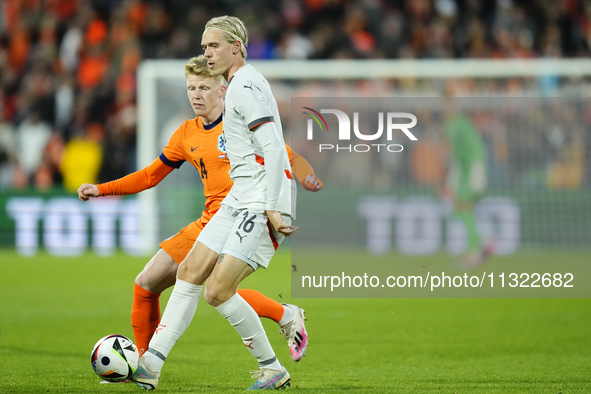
(130, 184)
(274, 153)
(257, 112)
(303, 171)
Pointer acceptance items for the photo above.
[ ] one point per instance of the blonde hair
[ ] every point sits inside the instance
(233, 29)
(198, 66)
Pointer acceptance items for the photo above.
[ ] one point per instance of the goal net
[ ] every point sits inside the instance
(533, 117)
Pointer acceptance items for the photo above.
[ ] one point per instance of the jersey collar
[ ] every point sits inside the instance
(237, 71)
(214, 124)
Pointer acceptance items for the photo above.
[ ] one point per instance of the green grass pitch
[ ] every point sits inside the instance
(53, 310)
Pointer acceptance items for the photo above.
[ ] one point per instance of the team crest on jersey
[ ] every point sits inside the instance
(222, 146)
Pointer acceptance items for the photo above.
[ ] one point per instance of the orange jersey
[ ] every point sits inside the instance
(204, 147)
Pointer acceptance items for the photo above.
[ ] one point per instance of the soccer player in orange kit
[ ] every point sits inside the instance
(200, 141)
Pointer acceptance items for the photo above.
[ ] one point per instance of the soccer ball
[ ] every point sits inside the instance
(114, 358)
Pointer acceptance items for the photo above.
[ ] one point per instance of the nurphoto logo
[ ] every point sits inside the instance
(344, 132)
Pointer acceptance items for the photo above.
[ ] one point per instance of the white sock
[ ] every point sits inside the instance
(287, 315)
(177, 316)
(154, 360)
(245, 320)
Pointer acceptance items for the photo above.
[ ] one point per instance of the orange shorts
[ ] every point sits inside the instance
(179, 245)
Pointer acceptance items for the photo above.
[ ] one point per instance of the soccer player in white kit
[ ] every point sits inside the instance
(254, 218)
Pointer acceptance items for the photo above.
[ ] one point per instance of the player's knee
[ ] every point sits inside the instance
(142, 281)
(208, 294)
(157, 277)
(214, 295)
(195, 272)
(189, 274)
(153, 283)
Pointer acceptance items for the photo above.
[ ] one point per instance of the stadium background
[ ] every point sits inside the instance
(69, 74)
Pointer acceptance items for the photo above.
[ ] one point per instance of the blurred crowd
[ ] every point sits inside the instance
(68, 67)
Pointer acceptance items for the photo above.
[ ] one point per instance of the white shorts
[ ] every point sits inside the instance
(245, 234)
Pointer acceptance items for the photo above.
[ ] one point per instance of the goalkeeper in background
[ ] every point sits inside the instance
(466, 178)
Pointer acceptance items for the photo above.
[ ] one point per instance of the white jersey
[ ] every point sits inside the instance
(249, 102)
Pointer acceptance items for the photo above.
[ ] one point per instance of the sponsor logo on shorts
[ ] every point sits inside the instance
(240, 236)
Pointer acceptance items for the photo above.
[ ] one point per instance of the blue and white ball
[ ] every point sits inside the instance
(114, 358)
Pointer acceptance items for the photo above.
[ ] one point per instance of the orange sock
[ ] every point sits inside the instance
(145, 316)
(262, 305)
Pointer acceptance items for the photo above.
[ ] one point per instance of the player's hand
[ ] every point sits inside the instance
(86, 191)
(277, 222)
(312, 183)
